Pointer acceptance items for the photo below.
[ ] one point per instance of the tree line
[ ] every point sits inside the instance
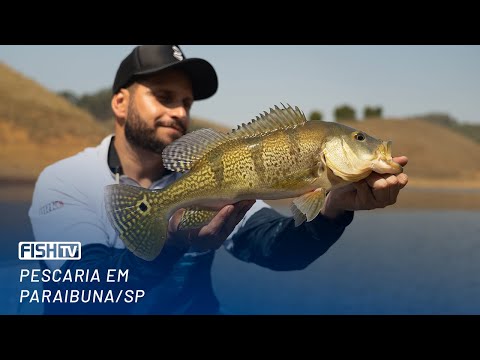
(346, 112)
(98, 104)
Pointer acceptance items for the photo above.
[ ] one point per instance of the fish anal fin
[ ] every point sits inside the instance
(310, 203)
(194, 218)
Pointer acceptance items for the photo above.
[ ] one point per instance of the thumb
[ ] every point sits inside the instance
(175, 220)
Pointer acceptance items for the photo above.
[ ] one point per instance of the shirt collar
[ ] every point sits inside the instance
(116, 168)
(113, 160)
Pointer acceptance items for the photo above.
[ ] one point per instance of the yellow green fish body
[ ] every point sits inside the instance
(278, 155)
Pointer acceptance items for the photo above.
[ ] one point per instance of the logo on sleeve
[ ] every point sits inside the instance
(54, 205)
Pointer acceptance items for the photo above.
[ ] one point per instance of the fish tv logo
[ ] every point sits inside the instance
(49, 250)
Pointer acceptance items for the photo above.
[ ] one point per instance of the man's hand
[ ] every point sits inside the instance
(212, 235)
(375, 191)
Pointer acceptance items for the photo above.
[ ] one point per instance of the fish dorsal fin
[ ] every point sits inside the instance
(276, 119)
(183, 153)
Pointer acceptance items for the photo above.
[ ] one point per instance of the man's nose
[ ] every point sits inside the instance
(178, 112)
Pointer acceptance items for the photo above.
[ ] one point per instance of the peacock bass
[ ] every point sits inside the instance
(278, 155)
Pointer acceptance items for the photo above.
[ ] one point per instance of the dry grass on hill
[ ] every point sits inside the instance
(28, 105)
(38, 127)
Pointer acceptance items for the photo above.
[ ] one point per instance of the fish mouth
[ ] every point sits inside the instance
(383, 162)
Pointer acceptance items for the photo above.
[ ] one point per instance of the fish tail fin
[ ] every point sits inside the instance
(139, 217)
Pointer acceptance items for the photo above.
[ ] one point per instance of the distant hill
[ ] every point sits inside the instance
(38, 127)
(28, 105)
(470, 130)
(434, 151)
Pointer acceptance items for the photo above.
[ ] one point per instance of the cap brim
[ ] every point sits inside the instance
(201, 72)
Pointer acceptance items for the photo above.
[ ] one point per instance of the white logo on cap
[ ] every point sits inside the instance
(177, 54)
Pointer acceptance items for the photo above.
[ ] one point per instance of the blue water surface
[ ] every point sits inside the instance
(387, 262)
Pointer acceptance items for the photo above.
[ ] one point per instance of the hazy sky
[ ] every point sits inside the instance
(404, 80)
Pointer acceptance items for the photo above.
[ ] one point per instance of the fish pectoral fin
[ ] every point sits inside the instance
(310, 204)
(193, 218)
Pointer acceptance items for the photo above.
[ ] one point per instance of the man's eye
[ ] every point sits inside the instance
(164, 98)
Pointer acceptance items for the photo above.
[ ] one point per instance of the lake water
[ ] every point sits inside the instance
(387, 262)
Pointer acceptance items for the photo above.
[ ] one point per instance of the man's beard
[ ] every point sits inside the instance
(139, 134)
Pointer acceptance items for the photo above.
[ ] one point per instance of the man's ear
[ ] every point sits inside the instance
(120, 103)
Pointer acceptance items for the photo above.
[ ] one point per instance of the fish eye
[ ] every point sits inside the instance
(360, 136)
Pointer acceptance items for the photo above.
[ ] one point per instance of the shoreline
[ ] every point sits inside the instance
(446, 184)
(422, 194)
(17, 181)
(413, 181)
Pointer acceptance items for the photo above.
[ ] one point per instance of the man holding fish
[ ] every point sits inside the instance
(158, 201)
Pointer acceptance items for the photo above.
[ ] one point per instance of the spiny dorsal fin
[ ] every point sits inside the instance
(183, 153)
(276, 119)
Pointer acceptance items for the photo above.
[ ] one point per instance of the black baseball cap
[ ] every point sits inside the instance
(150, 59)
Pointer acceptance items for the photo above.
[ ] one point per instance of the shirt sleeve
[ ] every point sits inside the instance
(271, 240)
(60, 211)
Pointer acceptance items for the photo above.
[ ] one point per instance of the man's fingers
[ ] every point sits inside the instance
(208, 237)
(175, 220)
(238, 214)
(178, 238)
(380, 187)
(225, 221)
(216, 232)
(402, 160)
(402, 180)
(365, 198)
(376, 181)
(393, 189)
(386, 187)
(215, 226)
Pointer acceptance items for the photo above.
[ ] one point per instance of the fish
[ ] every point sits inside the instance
(277, 155)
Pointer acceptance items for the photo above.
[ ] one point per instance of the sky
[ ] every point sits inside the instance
(405, 80)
